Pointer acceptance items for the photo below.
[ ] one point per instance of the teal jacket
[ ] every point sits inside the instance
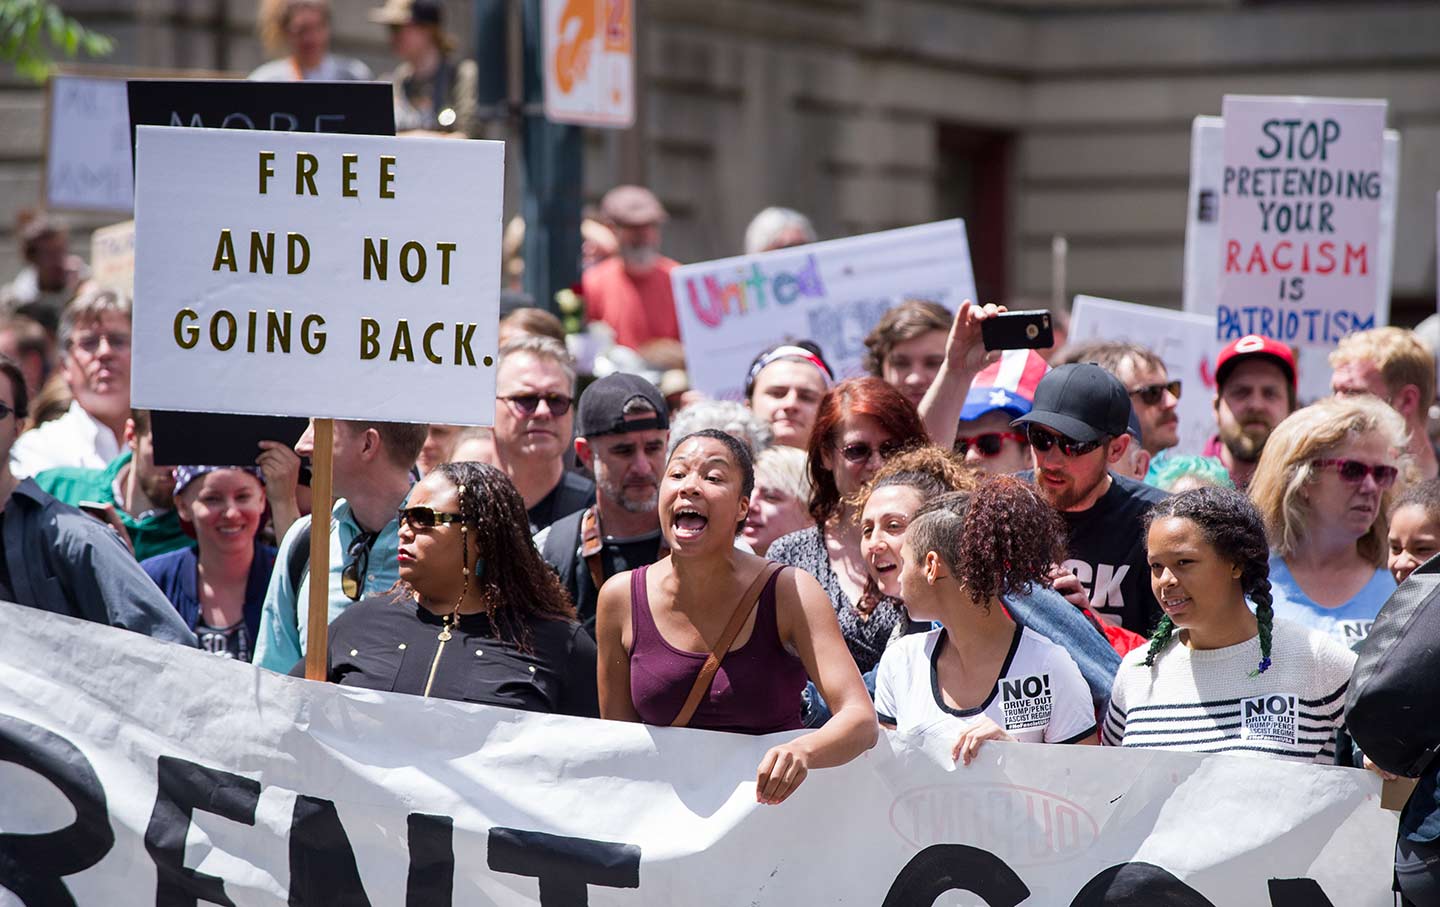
(157, 533)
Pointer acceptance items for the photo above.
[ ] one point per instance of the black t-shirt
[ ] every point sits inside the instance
(7, 592)
(388, 642)
(1106, 551)
(616, 556)
(573, 492)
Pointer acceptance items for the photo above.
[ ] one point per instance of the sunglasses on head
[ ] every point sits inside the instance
(1354, 471)
(1152, 394)
(989, 444)
(527, 404)
(1042, 441)
(423, 517)
(861, 451)
(357, 564)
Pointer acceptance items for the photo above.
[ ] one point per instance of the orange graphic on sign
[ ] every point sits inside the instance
(576, 32)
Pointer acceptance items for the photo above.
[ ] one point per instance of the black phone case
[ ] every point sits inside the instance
(1030, 330)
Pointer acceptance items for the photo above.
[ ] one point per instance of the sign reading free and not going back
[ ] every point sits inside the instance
(336, 276)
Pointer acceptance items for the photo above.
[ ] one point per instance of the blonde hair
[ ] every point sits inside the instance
(784, 468)
(274, 18)
(1287, 466)
(1398, 354)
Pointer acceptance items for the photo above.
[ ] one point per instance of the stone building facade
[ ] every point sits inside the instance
(1030, 118)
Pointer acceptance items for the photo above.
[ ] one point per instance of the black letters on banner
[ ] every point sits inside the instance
(1298, 893)
(956, 867)
(1138, 885)
(322, 864)
(183, 788)
(432, 860)
(32, 866)
(564, 866)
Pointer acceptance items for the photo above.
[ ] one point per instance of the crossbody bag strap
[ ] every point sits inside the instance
(747, 603)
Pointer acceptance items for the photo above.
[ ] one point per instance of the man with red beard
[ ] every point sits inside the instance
(1078, 433)
(1255, 391)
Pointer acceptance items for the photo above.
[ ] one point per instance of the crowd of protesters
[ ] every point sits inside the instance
(904, 549)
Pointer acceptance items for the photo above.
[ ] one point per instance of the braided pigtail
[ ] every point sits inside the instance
(1265, 618)
(1159, 640)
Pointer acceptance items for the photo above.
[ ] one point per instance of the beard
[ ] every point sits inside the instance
(1070, 494)
(1245, 445)
(616, 493)
(639, 258)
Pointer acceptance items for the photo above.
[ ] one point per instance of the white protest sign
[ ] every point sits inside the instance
(140, 773)
(589, 62)
(1185, 341)
(1204, 251)
(112, 257)
(334, 276)
(830, 292)
(87, 145)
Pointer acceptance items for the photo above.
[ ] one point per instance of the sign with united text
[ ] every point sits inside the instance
(142, 773)
(830, 292)
(324, 276)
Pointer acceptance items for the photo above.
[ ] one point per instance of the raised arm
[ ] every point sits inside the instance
(965, 357)
(808, 626)
(612, 640)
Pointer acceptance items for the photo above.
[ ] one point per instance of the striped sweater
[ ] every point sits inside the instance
(1205, 701)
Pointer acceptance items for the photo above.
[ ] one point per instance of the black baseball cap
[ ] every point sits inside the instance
(602, 406)
(1080, 401)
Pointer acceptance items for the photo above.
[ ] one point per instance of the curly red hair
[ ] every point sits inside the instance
(856, 397)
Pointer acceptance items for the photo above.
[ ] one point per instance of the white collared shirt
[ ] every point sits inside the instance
(75, 439)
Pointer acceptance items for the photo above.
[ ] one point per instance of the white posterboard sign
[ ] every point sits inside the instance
(589, 49)
(140, 773)
(1204, 249)
(830, 292)
(1184, 340)
(87, 145)
(316, 275)
(112, 257)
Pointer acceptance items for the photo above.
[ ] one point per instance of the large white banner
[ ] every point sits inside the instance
(293, 274)
(1205, 250)
(138, 773)
(1185, 341)
(830, 292)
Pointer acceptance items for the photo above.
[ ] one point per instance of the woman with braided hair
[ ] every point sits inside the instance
(477, 615)
(1216, 676)
(979, 675)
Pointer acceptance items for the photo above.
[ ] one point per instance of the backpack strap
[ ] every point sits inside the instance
(297, 563)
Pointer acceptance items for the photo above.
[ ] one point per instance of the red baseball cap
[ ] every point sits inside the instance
(1253, 346)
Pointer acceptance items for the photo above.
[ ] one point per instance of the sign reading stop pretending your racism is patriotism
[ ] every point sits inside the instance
(325, 276)
(830, 292)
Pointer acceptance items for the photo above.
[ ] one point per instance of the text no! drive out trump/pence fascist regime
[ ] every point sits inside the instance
(282, 332)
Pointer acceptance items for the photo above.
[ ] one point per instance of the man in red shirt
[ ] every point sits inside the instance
(631, 291)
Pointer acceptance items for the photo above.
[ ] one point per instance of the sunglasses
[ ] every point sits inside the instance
(357, 564)
(1043, 440)
(6, 410)
(989, 444)
(861, 451)
(527, 404)
(1354, 471)
(1152, 394)
(423, 517)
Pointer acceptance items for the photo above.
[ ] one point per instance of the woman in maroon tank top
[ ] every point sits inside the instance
(654, 627)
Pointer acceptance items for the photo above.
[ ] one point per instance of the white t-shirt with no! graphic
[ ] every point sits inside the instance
(1039, 697)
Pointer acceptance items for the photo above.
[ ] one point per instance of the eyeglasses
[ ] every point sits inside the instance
(1354, 471)
(357, 564)
(1043, 440)
(989, 444)
(861, 451)
(1152, 394)
(527, 404)
(425, 517)
(90, 343)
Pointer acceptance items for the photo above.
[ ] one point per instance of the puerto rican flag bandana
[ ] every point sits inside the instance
(1008, 384)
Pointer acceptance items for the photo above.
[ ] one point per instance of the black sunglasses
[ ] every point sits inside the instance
(423, 517)
(527, 404)
(357, 564)
(1043, 440)
(989, 444)
(860, 451)
(1152, 394)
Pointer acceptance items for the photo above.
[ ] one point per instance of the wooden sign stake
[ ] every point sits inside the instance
(317, 638)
